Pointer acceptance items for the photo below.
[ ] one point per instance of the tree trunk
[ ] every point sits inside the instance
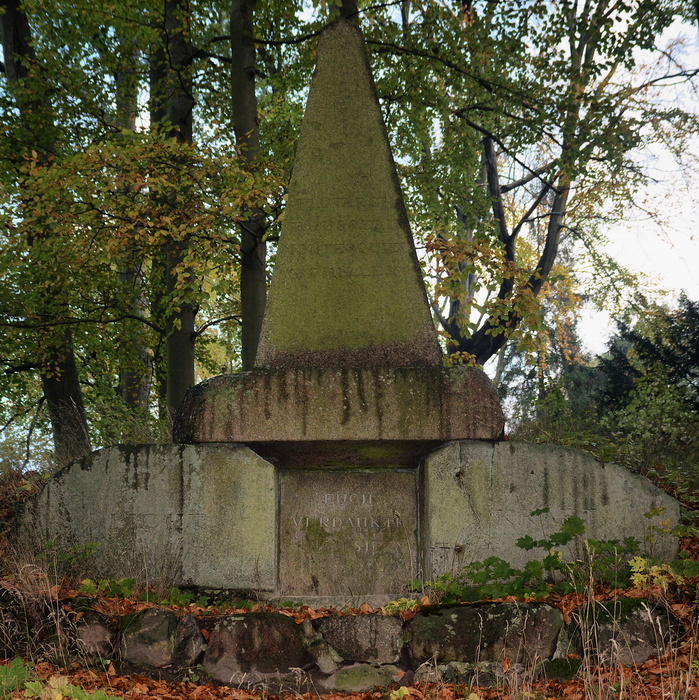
(484, 343)
(253, 279)
(157, 76)
(59, 374)
(61, 386)
(172, 98)
(134, 372)
(347, 8)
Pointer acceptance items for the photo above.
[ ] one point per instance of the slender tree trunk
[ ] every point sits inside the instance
(253, 279)
(180, 103)
(135, 372)
(502, 353)
(157, 63)
(59, 374)
(172, 98)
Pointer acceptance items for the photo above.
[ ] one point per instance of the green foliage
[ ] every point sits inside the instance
(572, 526)
(14, 676)
(184, 598)
(72, 561)
(122, 587)
(562, 669)
(646, 572)
(395, 606)
(96, 191)
(549, 87)
(605, 562)
(636, 404)
(18, 676)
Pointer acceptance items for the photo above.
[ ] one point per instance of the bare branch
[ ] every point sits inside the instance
(215, 322)
(527, 178)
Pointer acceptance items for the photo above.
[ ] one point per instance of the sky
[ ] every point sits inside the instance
(669, 254)
(669, 258)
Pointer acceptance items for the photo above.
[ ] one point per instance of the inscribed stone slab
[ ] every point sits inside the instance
(348, 534)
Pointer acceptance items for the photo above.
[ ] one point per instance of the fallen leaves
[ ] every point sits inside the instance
(656, 679)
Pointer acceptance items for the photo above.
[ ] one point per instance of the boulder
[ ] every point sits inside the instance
(189, 643)
(96, 635)
(363, 638)
(625, 631)
(254, 646)
(485, 632)
(148, 638)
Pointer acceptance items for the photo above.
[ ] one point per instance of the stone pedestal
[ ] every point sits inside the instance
(221, 517)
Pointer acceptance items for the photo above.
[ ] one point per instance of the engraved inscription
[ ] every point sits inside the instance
(347, 531)
(369, 523)
(328, 523)
(341, 499)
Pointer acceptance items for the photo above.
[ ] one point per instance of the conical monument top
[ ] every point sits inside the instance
(347, 289)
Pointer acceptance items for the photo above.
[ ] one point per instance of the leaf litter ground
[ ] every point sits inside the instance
(674, 676)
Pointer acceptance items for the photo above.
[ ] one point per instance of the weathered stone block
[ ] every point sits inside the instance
(479, 497)
(193, 515)
(430, 405)
(148, 639)
(253, 646)
(189, 643)
(363, 638)
(347, 536)
(624, 631)
(485, 632)
(95, 635)
(229, 521)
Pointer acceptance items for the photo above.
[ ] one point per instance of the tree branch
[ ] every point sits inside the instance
(16, 369)
(70, 321)
(527, 178)
(208, 324)
(489, 134)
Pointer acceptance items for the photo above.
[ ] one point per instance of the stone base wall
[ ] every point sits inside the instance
(480, 498)
(221, 517)
(188, 514)
(484, 643)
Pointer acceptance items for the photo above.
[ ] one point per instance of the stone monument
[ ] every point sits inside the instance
(349, 461)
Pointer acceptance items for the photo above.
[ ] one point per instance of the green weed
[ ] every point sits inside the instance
(122, 587)
(19, 676)
(605, 561)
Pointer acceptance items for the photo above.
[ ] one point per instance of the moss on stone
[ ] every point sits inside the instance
(615, 611)
(363, 677)
(562, 669)
(131, 623)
